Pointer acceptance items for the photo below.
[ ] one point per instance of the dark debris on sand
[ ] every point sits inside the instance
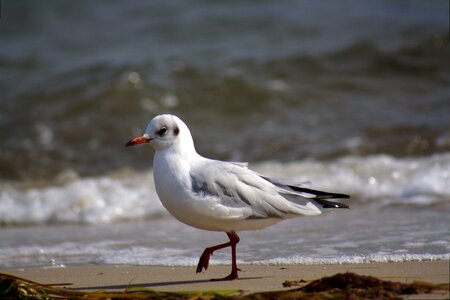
(352, 286)
(338, 287)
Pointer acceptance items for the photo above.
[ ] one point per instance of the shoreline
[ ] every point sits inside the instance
(253, 278)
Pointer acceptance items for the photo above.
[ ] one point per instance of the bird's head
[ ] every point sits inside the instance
(162, 132)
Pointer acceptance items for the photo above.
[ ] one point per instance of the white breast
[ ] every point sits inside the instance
(172, 182)
(173, 185)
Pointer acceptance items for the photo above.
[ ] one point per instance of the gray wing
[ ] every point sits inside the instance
(234, 186)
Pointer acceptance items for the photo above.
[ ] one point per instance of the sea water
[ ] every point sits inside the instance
(399, 212)
(349, 97)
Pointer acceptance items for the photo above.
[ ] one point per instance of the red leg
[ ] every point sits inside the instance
(203, 262)
(204, 258)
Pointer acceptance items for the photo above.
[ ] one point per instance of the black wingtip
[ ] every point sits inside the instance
(338, 196)
(330, 204)
(319, 194)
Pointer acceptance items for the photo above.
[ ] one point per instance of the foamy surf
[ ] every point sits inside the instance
(116, 253)
(83, 201)
(381, 180)
(399, 212)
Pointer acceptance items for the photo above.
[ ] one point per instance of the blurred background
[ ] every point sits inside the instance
(353, 96)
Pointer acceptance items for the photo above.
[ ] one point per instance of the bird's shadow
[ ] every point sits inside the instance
(153, 284)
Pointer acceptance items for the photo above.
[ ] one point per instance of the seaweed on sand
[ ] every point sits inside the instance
(353, 286)
(337, 287)
(12, 287)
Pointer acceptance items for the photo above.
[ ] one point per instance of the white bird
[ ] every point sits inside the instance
(217, 195)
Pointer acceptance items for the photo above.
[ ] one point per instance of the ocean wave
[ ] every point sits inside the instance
(83, 201)
(379, 180)
(107, 252)
(382, 179)
(355, 259)
(148, 257)
(359, 97)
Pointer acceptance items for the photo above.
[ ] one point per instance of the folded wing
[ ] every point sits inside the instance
(240, 192)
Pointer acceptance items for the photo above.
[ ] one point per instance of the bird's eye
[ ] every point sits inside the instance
(162, 131)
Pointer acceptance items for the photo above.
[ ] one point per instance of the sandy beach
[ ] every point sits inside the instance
(254, 278)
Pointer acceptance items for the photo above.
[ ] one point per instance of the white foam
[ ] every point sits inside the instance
(108, 252)
(89, 200)
(380, 179)
(389, 180)
(354, 259)
(147, 258)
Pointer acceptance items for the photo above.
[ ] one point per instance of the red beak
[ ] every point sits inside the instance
(138, 140)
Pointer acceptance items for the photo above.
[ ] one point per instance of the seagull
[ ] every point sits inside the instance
(218, 195)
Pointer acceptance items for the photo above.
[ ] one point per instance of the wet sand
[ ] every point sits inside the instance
(253, 278)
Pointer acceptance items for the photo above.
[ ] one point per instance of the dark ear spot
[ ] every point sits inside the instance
(176, 131)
